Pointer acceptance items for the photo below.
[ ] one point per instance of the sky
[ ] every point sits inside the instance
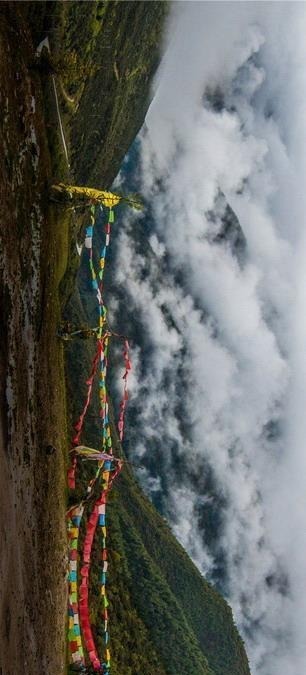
(219, 373)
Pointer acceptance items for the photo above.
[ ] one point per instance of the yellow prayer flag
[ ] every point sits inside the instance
(73, 532)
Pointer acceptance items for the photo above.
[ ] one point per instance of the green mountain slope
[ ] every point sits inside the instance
(187, 616)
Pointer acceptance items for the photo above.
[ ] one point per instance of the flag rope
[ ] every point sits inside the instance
(80, 635)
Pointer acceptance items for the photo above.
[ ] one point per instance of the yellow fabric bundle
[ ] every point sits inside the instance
(108, 199)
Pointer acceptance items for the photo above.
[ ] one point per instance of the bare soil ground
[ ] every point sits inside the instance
(32, 413)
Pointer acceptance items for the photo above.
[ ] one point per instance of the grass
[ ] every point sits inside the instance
(118, 47)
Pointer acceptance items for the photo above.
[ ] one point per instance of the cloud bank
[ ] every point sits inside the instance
(220, 399)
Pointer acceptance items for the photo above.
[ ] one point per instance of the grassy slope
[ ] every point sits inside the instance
(122, 50)
(165, 618)
(194, 616)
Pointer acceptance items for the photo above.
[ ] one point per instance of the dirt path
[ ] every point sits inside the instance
(32, 483)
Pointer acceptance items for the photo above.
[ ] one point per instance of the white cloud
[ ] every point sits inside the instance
(224, 386)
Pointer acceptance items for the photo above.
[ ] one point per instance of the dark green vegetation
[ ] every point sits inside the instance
(122, 42)
(165, 618)
(188, 620)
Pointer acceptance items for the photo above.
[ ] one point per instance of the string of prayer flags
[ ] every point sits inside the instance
(74, 632)
(80, 422)
(123, 403)
(108, 467)
(83, 602)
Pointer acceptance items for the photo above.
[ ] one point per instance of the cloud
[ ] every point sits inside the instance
(220, 398)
